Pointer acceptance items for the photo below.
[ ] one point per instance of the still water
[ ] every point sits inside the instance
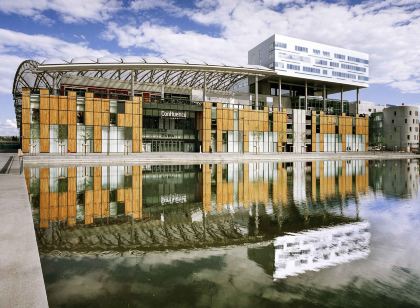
(329, 234)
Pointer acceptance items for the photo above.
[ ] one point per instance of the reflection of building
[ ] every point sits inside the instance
(85, 194)
(321, 248)
(188, 205)
(277, 103)
(399, 178)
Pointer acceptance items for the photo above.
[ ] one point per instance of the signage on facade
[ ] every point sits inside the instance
(173, 114)
(173, 198)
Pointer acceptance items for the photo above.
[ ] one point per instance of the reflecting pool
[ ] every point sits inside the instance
(324, 233)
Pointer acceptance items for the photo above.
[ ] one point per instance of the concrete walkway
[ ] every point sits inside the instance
(199, 158)
(21, 280)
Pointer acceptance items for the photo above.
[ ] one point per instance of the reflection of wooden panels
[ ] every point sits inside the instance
(71, 196)
(137, 205)
(62, 206)
(206, 188)
(88, 207)
(128, 201)
(54, 206)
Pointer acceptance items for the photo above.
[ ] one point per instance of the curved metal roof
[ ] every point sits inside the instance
(159, 71)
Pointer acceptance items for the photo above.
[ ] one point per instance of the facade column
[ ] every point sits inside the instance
(325, 98)
(132, 85)
(204, 87)
(357, 101)
(341, 100)
(256, 92)
(280, 105)
(162, 92)
(306, 95)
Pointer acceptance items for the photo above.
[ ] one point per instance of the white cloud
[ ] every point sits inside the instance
(69, 11)
(8, 128)
(15, 47)
(388, 30)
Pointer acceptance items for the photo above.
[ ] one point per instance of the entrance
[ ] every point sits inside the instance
(167, 146)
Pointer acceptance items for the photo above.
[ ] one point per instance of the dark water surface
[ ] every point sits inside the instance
(327, 234)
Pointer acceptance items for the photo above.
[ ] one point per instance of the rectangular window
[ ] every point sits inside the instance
(321, 62)
(344, 75)
(334, 64)
(317, 51)
(80, 117)
(280, 45)
(300, 48)
(326, 53)
(121, 107)
(339, 56)
(358, 60)
(311, 70)
(408, 137)
(293, 67)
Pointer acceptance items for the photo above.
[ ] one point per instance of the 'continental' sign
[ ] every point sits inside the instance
(173, 114)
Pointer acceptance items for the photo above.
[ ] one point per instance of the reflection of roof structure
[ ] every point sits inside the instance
(152, 235)
(317, 249)
(117, 73)
(174, 231)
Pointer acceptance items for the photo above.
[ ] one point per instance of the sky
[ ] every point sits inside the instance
(218, 31)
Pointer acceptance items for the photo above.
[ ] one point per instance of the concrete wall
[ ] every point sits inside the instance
(401, 128)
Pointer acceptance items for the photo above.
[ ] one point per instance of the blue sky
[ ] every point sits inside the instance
(214, 31)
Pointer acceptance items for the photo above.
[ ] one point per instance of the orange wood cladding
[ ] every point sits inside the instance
(62, 110)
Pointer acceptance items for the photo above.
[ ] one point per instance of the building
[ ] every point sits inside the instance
(401, 128)
(366, 108)
(376, 131)
(134, 105)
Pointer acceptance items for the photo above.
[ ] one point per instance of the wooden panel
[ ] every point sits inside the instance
(44, 100)
(44, 131)
(62, 117)
(71, 103)
(26, 101)
(89, 104)
(44, 145)
(25, 145)
(26, 131)
(71, 142)
(128, 121)
(136, 108)
(136, 120)
(26, 116)
(128, 107)
(120, 119)
(62, 104)
(89, 118)
(97, 136)
(54, 117)
(136, 140)
(71, 117)
(105, 105)
(105, 119)
(97, 105)
(97, 119)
